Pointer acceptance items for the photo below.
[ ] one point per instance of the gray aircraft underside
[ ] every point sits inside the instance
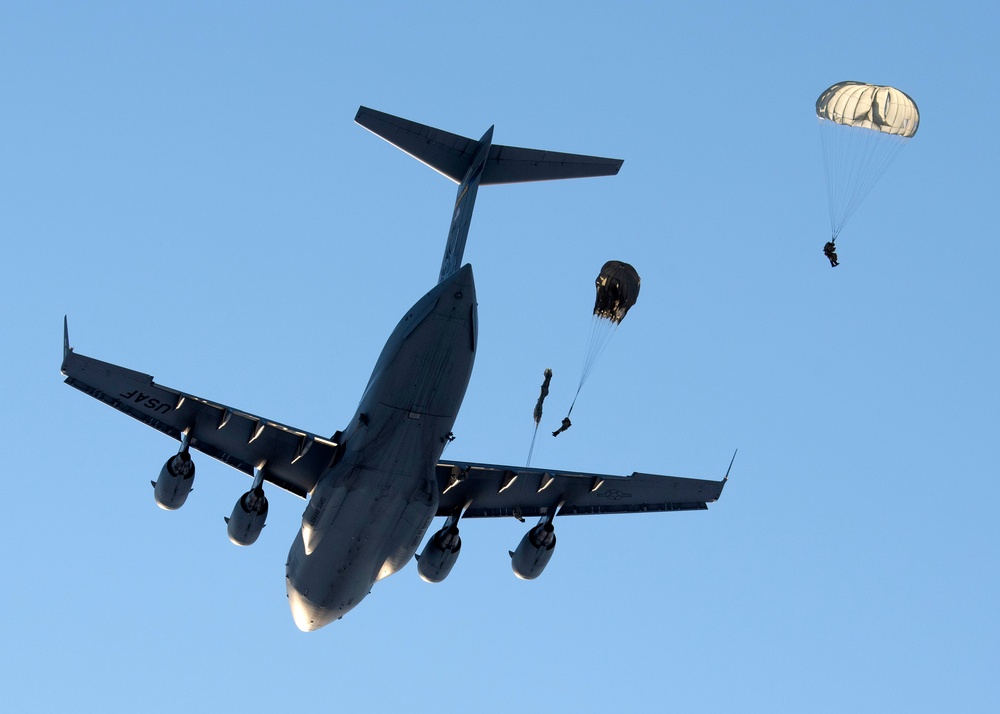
(374, 487)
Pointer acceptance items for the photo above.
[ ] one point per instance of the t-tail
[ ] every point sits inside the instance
(471, 163)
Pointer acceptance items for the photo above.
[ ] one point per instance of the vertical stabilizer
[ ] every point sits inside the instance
(461, 218)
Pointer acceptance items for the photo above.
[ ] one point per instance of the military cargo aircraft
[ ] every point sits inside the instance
(374, 487)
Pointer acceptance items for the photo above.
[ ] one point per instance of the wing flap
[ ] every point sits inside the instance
(294, 459)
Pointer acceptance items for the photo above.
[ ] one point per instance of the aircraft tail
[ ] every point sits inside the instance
(472, 163)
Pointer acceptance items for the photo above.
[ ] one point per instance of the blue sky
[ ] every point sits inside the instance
(186, 182)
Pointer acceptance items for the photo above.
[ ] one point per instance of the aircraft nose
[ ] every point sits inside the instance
(307, 616)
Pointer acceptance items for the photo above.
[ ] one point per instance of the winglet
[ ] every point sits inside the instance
(66, 348)
(730, 467)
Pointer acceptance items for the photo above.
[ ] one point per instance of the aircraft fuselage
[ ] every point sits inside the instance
(367, 515)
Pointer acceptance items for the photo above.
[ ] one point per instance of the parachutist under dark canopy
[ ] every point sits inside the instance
(566, 424)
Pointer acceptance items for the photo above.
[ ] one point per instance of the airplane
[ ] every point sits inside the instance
(374, 487)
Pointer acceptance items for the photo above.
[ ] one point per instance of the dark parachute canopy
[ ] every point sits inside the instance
(863, 128)
(617, 290)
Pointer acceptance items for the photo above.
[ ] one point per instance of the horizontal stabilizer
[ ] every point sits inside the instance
(509, 164)
(451, 154)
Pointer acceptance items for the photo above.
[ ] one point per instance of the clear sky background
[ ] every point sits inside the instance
(186, 182)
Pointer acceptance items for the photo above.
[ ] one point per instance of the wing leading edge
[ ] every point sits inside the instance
(292, 459)
(489, 490)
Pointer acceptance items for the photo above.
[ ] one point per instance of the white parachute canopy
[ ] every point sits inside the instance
(863, 128)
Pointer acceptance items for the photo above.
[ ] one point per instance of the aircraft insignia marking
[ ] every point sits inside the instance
(614, 494)
(144, 400)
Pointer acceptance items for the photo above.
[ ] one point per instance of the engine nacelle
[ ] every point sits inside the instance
(247, 519)
(172, 486)
(439, 555)
(533, 552)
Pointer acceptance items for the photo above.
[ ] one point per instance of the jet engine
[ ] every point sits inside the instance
(533, 552)
(439, 555)
(172, 486)
(248, 516)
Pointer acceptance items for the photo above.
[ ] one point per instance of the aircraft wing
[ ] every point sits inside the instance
(294, 459)
(489, 490)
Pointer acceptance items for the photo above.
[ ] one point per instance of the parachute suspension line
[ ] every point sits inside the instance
(881, 150)
(531, 449)
(854, 159)
(601, 331)
(843, 160)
